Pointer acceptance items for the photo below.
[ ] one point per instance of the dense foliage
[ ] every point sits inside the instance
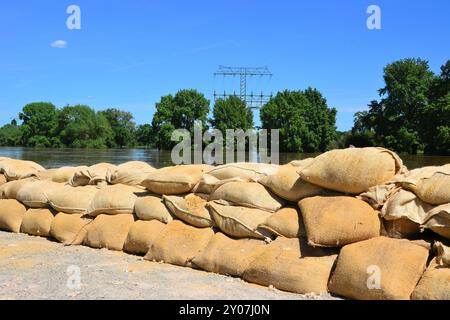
(231, 113)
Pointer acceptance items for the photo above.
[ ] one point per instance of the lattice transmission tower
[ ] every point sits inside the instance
(252, 100)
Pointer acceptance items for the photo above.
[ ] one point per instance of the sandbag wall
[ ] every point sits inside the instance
(352, 222)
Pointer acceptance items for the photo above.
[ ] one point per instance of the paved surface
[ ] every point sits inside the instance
(37, 268)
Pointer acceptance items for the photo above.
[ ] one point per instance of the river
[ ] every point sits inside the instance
(53, 158)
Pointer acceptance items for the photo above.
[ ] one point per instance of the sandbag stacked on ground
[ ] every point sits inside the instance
(93, 175)
(35, 195)
(37, 222)
(72, 200)
(11, 215)
(131, 173)
(65, 174)
(152, 207)
(9, 190)
(286, 222)
(70, 229)
(115, 199)
(243, 171)
(141, 236)
(438, 220)
(14, 169)
(191, 209)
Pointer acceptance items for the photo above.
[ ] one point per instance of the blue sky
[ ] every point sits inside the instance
(130, 53)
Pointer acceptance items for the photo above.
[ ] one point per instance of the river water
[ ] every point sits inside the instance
(53, 158)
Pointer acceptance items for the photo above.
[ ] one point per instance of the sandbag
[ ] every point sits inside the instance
(179, 244)
(70, 229)
(208, 184)
(402, 228)
(93, 175)
(72, 200)
(2, 179)
(239, 222)
(152, 207)
(37, 222)
(109, 231)
(434, 284)
(244, 171)
(378, 269)
(65, 174)
(378, 195)
(35, 195)
(352, 170)
(287, 184)
(229, 256)
(17, 169)
(130, 173)
(337, 221)
(191, 209)
(248, 194)
(438, 220)
(9, 190)
(431, 184)
(290, 265)
(174, 180)
(442, 254)
(141, 236)
(286, 222)
(116, 199)
(11, 215)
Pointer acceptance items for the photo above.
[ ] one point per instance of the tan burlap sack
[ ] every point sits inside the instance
(378, 195)
(175, 180)
(37, 222)
(434, 284)
(239, 222)
(11, 215)
(116, 199)
(352, 170)
(109, 231)
(141, 236)
(130, 173)
(179, 244)
(244, 171)
(65, 174)
(290, 265)
(229, 256)
(287, 184)
(70, 229)
(402, 228)
(9, 190)
(17, 169)
(2, 179)
(438, 220)
(72, 200)
(191, 209)
(35, 195)
(442, 254)
(208, 184)
(93, 175)
(286, 222)
(152, 207)
(337, 221)
(379, 268)
(248, 194)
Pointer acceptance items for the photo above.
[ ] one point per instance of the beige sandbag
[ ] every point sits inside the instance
(191, 209)
(352, 170)
(248, 194)
(17, 169)
(70, 229)
(239, 222)
(442, 254)
(109, 231)
(378, 195)
(438, 220)
(290, 265)
(434, 284)
(229, 256)
(287, 184)
(141, 236)
(116, 199)
(35, 195)
(286, 222)
(9, 190)
(402, 228)
(431, 184)
(244, 171)
(93, 175)
(130, 173)
(208, 184)
(2, 179)
(179, 244)
(379, 268)
(337, 221)
(37, 222)
(152, 207)
(65, 174)
(72, 200)
(174, 180)
(11, 215)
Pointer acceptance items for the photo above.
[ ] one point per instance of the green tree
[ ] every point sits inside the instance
(181, 111)
(11, 135)
(231, 113)
(82, 127)
(122, 125)
(39, 122)
(144, 135)
(305, 121)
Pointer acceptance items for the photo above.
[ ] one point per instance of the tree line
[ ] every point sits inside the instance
(412, 116)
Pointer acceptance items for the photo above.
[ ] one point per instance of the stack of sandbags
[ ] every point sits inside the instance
(131, 173)
(11, 215)
(93, 175)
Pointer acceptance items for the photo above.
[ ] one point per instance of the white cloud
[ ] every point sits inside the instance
(60, 44)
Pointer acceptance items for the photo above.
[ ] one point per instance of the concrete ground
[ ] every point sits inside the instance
(37, 268)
